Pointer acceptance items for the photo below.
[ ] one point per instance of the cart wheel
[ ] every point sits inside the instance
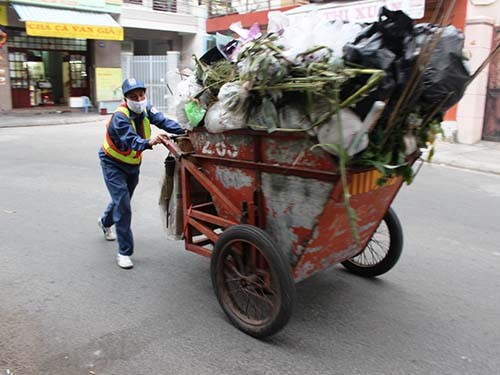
(252, 280)
(383, 250)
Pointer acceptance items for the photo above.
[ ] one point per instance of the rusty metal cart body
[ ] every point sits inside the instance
(270, 211)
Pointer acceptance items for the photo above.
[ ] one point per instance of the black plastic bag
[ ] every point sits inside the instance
(387, 45)
(381, 43)
(393, 44)
(445, 78)
(219, 52)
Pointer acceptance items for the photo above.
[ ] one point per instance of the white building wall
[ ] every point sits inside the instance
(484, 8)
(184, 28)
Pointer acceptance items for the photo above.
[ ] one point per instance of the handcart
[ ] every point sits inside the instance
(269, 211)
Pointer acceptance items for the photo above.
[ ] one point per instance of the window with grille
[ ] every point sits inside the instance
(78, 71)
(18, 69)
(20, 40)
(136, 2)
(165, 5)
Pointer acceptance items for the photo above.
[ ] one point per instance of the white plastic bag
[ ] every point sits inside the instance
(293, 117)
(329, 133)
(313, 30)
(230, 111)
(277, 22)
(355, 132)
(213, 119)
(188, 87)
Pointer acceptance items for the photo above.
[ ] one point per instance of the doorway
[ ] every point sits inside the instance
(491, 128)
(45, 79)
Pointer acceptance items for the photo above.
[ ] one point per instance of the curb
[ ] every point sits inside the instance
(477, 167)
(52, 122)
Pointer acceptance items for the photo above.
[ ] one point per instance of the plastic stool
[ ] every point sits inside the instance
(86, 103)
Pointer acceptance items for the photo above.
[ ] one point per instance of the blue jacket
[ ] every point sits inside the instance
(125, 137)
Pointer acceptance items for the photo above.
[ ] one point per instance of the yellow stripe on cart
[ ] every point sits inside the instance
(367, 181)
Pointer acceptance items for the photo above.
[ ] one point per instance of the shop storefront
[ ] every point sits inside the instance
(46, 71)
(52, 51)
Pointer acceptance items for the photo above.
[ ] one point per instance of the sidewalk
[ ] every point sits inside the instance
(483, 156)
(48, 116)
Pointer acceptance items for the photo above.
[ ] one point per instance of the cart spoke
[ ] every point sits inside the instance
(265, 287)
(259, 308)
(249, 286)
(380, 243)
(376, 250)
(249, 257)
(237, 288)
(368, 256)
(375, 255)
(232, 269)
(252, 289)
(236, 255)
(254, 305)
(231, 266)
(260, 297)
(226, 280)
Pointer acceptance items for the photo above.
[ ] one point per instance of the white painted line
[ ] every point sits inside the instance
(497, 254)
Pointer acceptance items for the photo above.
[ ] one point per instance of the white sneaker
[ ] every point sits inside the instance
(124, 261)
(109, 234)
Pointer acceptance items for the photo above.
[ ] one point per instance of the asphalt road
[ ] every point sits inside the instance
(66, 308)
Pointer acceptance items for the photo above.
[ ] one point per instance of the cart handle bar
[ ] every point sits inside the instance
(169, 141)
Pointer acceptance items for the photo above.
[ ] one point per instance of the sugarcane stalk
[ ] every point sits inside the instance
(312, 50)
(289, 86)
(343, 175)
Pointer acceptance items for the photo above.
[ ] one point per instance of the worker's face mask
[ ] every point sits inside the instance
(137, 107)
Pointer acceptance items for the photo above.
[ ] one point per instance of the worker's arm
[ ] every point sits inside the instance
(157, 118)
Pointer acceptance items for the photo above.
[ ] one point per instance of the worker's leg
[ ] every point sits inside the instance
(118, 186)
(132, 181)
(107, 217)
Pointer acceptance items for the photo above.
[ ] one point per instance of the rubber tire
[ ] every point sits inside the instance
(276, 260)
(393, 254)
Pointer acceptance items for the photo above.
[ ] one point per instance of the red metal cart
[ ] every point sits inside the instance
(269, 212)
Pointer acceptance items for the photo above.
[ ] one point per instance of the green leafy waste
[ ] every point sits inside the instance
(274, 81)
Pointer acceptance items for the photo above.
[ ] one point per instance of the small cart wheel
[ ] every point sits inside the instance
(383, 250)
(252, 280)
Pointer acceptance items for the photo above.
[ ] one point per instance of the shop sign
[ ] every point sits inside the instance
(108, 84)
(109, 6)
(3, 14)
(364, 11)
(64, 30)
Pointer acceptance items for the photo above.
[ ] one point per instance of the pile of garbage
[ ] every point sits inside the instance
(370, 94)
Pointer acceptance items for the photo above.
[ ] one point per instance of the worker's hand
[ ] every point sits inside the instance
(155, 140)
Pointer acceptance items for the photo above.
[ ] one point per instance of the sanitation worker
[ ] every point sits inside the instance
(128, 134)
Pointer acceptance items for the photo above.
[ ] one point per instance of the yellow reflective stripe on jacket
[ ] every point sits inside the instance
(129, 156)
(146, 122)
